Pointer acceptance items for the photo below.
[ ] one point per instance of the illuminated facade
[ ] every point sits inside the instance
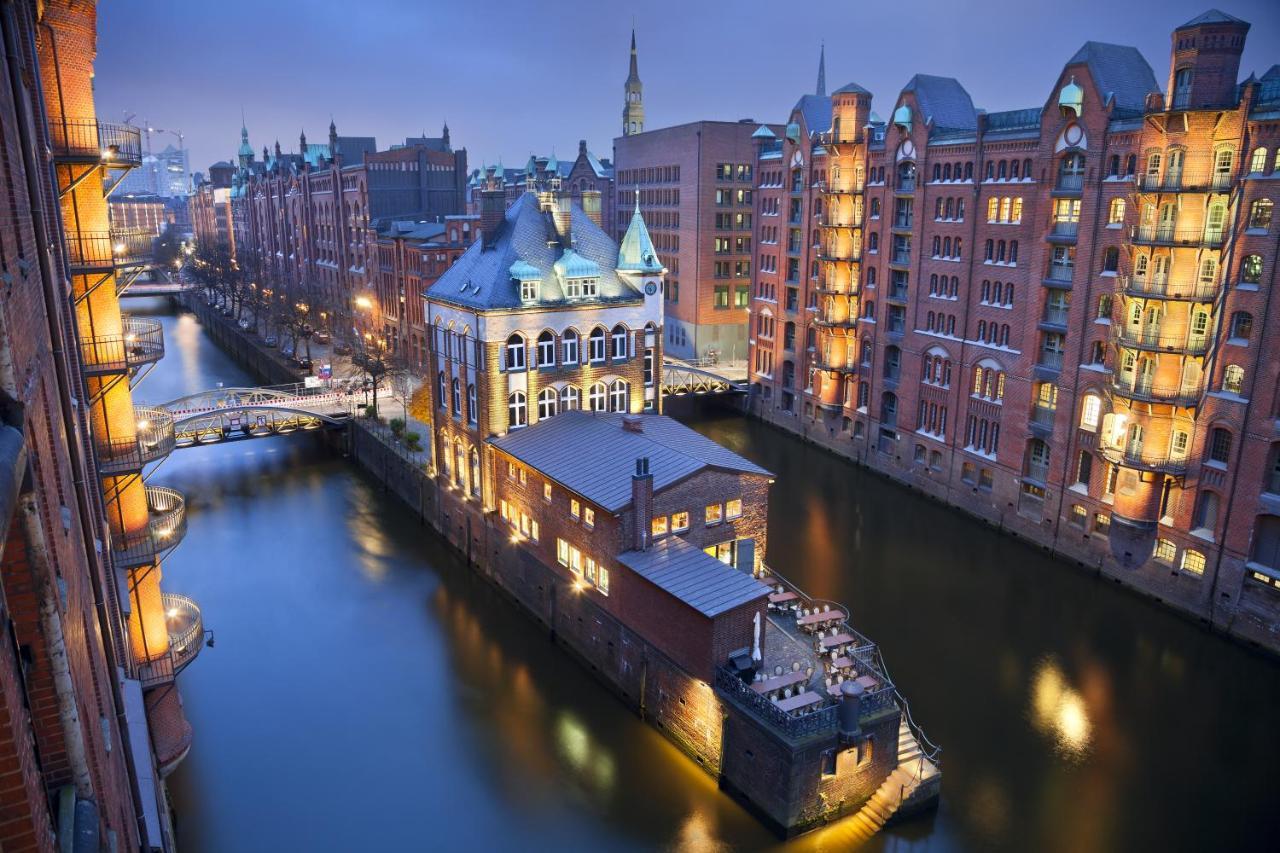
(92, 716)
(1049, 317)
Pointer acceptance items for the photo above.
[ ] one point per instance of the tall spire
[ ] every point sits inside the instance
(822, 70)
(633, 106)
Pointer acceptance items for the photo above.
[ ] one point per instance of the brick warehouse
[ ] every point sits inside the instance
(1072, 301)
(90, 716)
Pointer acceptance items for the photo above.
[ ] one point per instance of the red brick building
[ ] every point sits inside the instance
(1050, 317)
(90, 716)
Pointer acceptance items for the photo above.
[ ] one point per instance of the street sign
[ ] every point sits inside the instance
(326, 371)
(312, 381)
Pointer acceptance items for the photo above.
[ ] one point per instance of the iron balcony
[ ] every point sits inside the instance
(165, 528)
(1152, 339)
(104, 250)
(1160, 287)
(1132, 456)
(153, 440)
(1186, 182)
(1169, 235)
(185, 626)
(140, 342)
(1148, 392)
(87, 140)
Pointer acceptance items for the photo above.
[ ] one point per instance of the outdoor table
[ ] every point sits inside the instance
(795, 703)
(837, 640)
(820, 618)
(779, 682)
(868, 682)
(782, 597)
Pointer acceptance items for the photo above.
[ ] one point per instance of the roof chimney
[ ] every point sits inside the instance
(591, 206)
(493, 209)
(642, 503)
(633, 423)
(562, 215)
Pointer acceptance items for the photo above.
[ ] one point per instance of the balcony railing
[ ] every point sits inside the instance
(905, 185)
(119, 247)
(166, 526)
(141, 342)
(154, 439)
(90, 140)
(1055, 316)
(1160, 287)
(1069, 182)
(1170, 235)
(1152, 338)
(836, 253)
(1186, 182)
(898, 293)
(1038, 471)
(902, 222)
(1149, 392)
(1065, 228)
(848, 221)
(1043, 416)
(1060, 273)
(901, 258)
(1051, 359)
(1133, 456)
(185, 627)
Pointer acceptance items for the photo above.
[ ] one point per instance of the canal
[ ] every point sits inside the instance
(366, 692)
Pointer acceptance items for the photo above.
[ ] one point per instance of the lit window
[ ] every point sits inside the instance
(589, 516)
(602, 580)
(733, 508)
(659, 525)
(1101, 523)
(1090, 412)
(679, 521)
(575, 508)
(1115, 215)
(546, 492)
(1165, 550)
(562, 552)
(535, 532)
(1193, 562)
(715, 514)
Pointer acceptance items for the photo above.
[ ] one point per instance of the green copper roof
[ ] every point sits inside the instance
(636, 251)
(523, 271)
(573, 265)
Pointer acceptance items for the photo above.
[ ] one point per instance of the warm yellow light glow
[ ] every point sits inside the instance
(172, 612)
(364, 303)
(119, 248)
(143, 424)
(1059, 710)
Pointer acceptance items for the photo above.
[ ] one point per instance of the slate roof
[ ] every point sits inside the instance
(1118, 71)
(481, 278)
(591, 454)
(816, 110)
(693, 576)
(1213, 16)
(943, 101)
(409, 229)
(852, 89)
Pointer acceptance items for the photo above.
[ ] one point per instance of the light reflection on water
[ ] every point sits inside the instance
(365, 685)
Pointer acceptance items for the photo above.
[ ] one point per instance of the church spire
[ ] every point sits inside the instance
(822, 71)
(633, 108)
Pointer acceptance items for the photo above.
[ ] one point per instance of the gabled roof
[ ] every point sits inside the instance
(693, 576)
(591, 454)
(1213, 16)
(1272, 73)
(851, 89)
(481, 278)
(943, 101)
(816, 110)
(1120, 72)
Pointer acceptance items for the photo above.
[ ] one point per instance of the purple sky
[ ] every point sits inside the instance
(512, 78)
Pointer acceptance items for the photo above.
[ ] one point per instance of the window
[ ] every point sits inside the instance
(680, 521)
(596, 345)
(1233, 379)
(1193, 562)
(547, 403)
(618, 396)
(1251, 269)
(1206, 516)
(575, 509)
(570, 341)
(1091, 412)
(546, 349)
(515, 353)
(596, 397)
(456, 398)
(529, 290)
(546, 492)
(1079, 516)
(588, 516)
(517, 410)
(659, 526)
(1241, 325)
(733, 509)
(619, 342)
(1260, 214)
(1258, 161)
(1115, 215)
(602, 580)
(570, 398)
(714, 514)
(1165, 550)
(1219, 445)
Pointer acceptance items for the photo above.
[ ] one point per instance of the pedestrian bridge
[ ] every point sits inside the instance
(679, 379)
(223, 414)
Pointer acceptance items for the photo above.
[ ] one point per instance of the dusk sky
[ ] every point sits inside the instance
(512, 78)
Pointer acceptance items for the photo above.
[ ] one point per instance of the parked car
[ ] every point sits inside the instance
(302, 362)
(322, 337)
(342, 349)
(245, 324)
(270, 340)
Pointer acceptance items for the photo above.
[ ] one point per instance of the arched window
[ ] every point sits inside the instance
(1260, 214)
(475, 472)
(473, 413)
(1113, 170)
(1251, 269)
(1218, 448)
(546, 349)
(517, 410)
(547, 403)
(1130, 165)
(1233, 379)
(873, 242)
(571, 342)
(1091, 412)
(618, 396)
(1111, 259)
(889, 409)
(619, 342)
(442, 396)
(1026, 169)
(457, 398)
(515, 353)
(1258, 162)
(596, 345)
(875, 208)
(993, 209)
(570, 398)
(596, 397)
(1115, 215)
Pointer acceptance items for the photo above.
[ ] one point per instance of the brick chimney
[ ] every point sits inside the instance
(632, 423)
(642, 503)
(493, 209)
(591, 206)
(561, 214)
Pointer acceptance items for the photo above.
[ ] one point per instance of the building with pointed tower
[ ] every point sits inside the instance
(633, 92)
(1055, 318)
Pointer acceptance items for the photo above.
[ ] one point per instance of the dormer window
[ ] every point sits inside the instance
(573, 288)
(529, 290)
(590, 287)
